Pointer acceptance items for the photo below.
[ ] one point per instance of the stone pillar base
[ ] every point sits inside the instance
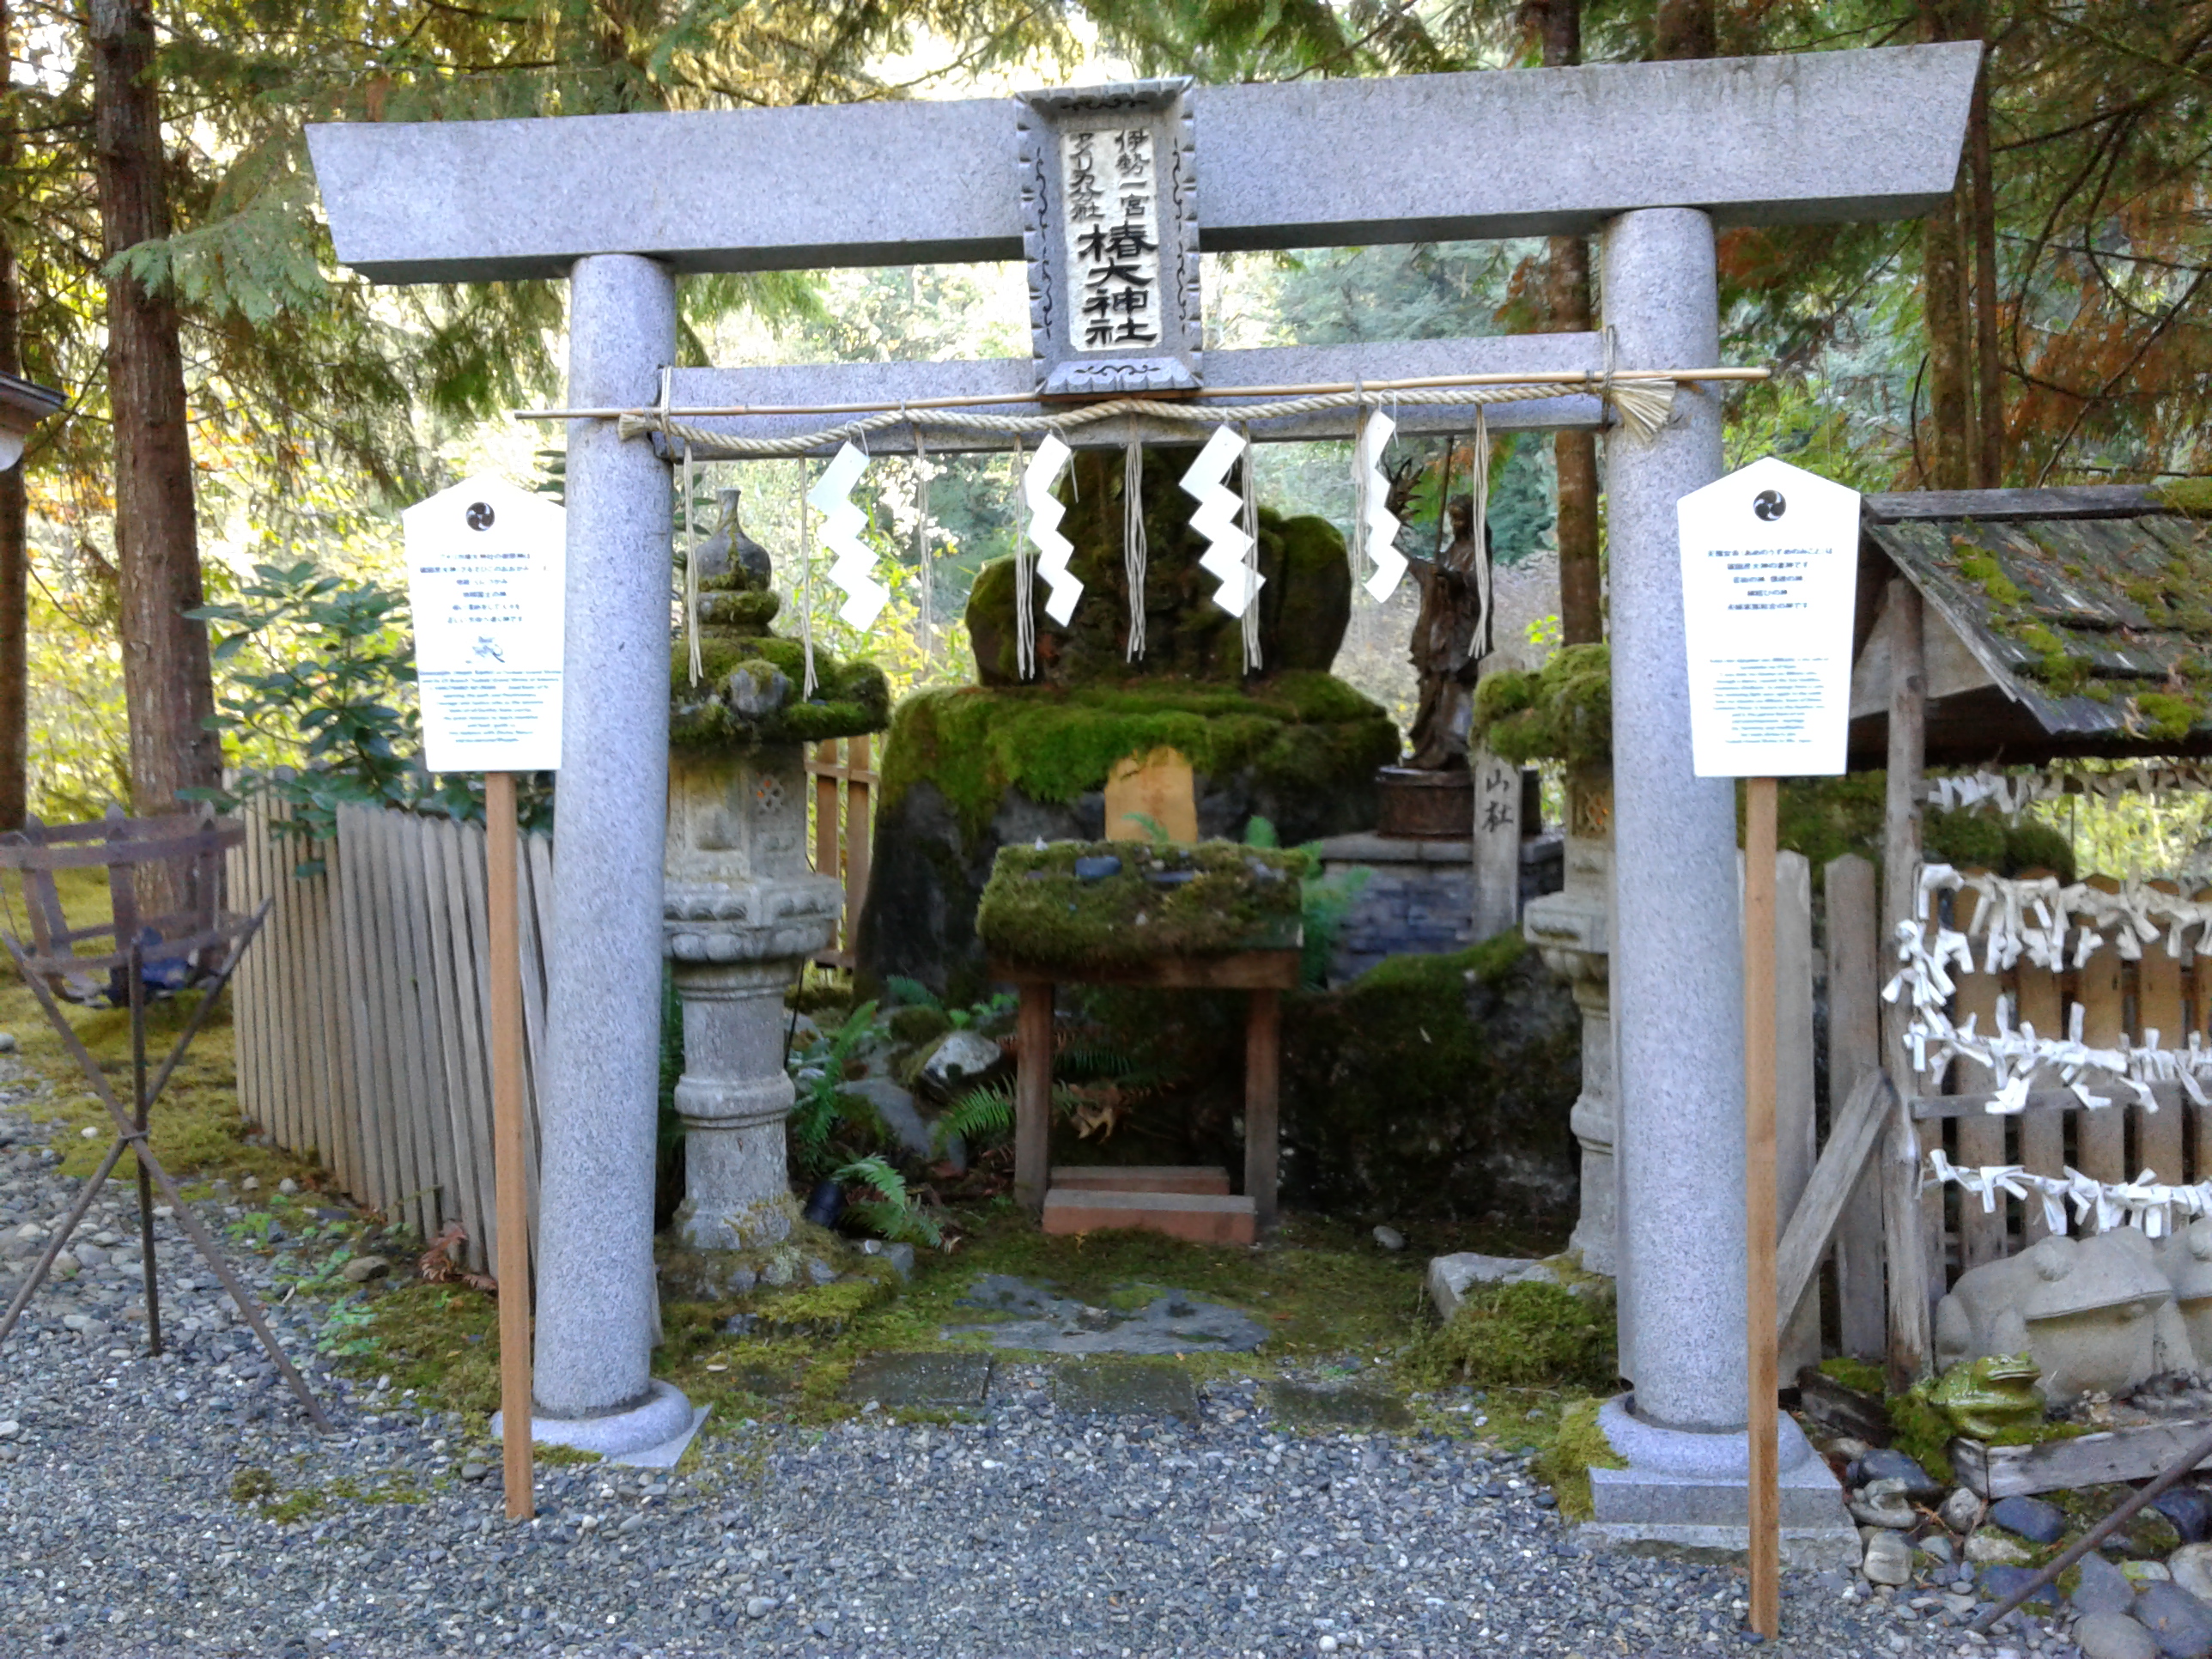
(652, 1435)
(1687, 1492)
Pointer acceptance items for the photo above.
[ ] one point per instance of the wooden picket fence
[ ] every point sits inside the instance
(844, 792)
(363, 1012)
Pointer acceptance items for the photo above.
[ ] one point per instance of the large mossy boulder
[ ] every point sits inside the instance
(970, 770)
(1305, 605)
(1437, 1089)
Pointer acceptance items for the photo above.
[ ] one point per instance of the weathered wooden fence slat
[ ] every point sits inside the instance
(363, 1013)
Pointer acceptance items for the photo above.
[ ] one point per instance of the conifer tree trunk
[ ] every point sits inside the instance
(1948, 452)
(1567, 308)
(166, 680)
(1684, 28)
(14, 550)
(1989, 368)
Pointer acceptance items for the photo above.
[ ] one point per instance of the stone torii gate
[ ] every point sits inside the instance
(1653, 157)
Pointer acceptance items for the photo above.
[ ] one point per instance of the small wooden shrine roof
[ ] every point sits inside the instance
(2058, 622)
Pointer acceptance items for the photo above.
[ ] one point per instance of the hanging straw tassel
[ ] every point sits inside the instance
(690, 570)
(1356, 548)
(1134, 551)
(1481, 531)
(806, 583)
(1024, 578)
(922, 552)
(1251, 617)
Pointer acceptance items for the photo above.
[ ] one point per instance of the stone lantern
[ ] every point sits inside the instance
(741, 910)
(1572, 929)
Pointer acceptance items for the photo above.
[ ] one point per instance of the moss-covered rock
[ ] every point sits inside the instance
(1079, 905)
(1304, 607)
(1436, 1088)
(969, 770)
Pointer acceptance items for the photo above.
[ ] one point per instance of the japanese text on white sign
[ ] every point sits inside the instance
(1769, 565)
(485, 566)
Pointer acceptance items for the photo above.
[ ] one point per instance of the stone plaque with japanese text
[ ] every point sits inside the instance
(1109, 218)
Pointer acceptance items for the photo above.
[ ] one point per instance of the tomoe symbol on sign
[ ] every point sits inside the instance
(1769, 505)
(480, 515)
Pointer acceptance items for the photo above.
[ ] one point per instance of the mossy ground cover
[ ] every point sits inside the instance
(196, 1131)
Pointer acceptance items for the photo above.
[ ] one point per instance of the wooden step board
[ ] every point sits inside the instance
(1201, 1218)
(1142, 1178)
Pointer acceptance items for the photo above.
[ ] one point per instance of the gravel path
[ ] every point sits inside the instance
(1031, 1531)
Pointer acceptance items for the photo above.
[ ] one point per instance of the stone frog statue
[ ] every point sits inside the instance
(1984, 1397)
(2186, 1258)
(2095, 1314)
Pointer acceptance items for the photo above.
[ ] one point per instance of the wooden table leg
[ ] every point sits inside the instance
(1262, 1066)
(1033, 1096)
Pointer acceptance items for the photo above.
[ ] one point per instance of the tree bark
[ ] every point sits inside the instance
(1952, 447)
(1684, 28)
(1989, 368)
(166, 681)
(1567, 308)
(14, 549)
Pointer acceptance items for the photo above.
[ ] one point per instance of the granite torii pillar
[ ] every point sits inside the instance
(1653, 156)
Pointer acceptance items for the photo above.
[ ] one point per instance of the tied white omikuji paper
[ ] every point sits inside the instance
(1378, 524)
(1219, 507)
(1053, 549)
(841, 523)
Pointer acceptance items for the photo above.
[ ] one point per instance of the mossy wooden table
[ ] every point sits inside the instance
(1264, 975)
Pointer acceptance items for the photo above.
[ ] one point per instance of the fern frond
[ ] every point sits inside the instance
(978, 1116)
(912, 992)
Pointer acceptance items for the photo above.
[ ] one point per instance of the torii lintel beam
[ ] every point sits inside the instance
(1803, 139)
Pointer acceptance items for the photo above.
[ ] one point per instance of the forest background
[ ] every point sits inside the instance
(244, 418)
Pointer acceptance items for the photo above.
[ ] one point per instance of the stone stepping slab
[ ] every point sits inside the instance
(1307, 1406)
(920, 1380)
(1126, 1387)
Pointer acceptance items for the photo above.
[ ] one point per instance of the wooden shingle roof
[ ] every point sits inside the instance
(2059, 623)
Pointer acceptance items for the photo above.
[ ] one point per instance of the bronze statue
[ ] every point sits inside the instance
(1446, 650)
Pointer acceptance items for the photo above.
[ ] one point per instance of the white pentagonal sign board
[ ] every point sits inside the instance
(1770, 575)
(486, 562)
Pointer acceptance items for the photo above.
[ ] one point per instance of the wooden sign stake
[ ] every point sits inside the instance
(509, 1149)
(1758, 1085)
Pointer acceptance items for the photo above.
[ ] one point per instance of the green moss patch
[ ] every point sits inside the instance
(1860, 1375)
(1575, 1447)
(849, 697)
(1517, 1336)
(1303, 731)
(1564, 712)
(1210, 899)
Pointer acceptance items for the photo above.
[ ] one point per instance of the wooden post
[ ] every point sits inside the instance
(2101, 1137)
(1759, 1147)
(1981, 1137)
(1496, 851)
(513, 1181)
(857, 831)
(1033, 1095)
(1855, 1049)
(1263, 1055)
(1905, 1226)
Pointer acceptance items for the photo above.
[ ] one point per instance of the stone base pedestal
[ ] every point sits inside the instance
(652, 1435)
(1684, 1491)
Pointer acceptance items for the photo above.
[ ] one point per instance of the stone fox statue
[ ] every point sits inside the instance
(1445, 648)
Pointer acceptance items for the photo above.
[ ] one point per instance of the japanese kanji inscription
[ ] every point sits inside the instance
(1110, 215)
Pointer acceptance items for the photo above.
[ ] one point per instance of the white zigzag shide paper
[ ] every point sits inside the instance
(1381, 524)
(854, 569)
(1219, 506)
(1053, 549)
